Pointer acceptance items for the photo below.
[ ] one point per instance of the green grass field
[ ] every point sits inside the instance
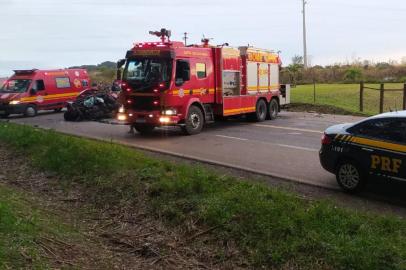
(23, 226)
(346, 96)
(273, 228)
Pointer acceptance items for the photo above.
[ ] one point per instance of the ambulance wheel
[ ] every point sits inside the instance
(260, 113)
(273, 109)
(144, 129)
(350, 177)
(194, 121)
(30, 111)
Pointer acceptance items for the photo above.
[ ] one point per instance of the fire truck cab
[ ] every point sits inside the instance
(168, 83)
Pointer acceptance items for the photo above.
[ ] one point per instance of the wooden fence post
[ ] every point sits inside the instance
(381, 97)
(404, 96)
(361, 96)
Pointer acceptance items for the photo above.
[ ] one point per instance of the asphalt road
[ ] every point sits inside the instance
(285, 148)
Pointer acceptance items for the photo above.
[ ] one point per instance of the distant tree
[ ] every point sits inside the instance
(353, 74)
(297, 60)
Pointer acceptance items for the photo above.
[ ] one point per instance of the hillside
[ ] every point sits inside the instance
(104, 72)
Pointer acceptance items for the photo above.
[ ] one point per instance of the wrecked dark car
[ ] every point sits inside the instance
(92, 104)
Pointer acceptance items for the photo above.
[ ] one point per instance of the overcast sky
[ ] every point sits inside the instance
(62, 33)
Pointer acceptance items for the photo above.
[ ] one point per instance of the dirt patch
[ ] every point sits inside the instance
(323, 109)
(116, 237)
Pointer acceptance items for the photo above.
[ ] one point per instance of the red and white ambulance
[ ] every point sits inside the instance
(28, 91)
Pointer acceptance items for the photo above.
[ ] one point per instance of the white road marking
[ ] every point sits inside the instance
(294, 133)
(268, 143)
(290, 128)
(298, 147)
(230, 137)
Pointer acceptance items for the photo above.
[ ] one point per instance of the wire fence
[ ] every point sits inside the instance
(395, 102)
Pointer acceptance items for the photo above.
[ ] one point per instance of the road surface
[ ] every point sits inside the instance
(285, 148)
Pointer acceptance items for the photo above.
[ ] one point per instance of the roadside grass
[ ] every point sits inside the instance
(22, 226)
(346, 96)
(272, 227)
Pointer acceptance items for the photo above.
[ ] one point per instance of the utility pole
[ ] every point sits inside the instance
(185, 38)
(304, 35)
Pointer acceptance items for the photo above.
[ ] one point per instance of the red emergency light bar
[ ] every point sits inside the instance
(152, 44)
(25, 71)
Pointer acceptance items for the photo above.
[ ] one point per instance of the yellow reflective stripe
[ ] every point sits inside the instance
(380, 144)
(197, 91)
(240, 110)
(47, 97)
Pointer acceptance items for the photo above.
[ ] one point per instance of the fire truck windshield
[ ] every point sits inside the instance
(16, 86)
(145, 72)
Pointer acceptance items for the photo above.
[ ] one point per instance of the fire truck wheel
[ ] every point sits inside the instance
(58, 110)
(30, 111)
(144, 129)
(273, 109)
(260, 112)
(194, 121)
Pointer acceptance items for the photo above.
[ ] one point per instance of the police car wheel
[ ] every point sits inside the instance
(144, 129)
(350, 177)
(273, 109)
(194, 121)
(30, 111)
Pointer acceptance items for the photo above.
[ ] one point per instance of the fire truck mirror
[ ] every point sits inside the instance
(120, 63)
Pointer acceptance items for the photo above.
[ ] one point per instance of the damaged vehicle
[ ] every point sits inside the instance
(92, 104)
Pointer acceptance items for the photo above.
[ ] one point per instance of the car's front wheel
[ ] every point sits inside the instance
(30, 111)
(350, 177)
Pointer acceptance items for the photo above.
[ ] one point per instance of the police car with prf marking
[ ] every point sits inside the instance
(374, 147)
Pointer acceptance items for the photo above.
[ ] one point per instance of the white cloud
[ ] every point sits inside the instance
(59, 33)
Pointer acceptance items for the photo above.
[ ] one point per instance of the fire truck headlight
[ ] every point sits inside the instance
(164, 120)
(169, 112)
(121, 109)
(14, 102)
(121, 117)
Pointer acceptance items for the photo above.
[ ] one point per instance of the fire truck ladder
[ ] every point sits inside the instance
(208, 112)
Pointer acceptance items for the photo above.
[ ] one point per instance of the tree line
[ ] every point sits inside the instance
(343, 73)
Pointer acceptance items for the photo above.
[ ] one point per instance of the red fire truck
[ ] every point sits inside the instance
(168, 83)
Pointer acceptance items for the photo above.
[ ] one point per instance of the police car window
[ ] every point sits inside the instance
(388, 129)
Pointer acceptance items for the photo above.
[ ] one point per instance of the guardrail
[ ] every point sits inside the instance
(382, 91)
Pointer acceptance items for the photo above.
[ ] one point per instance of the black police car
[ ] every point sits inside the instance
(374, 147)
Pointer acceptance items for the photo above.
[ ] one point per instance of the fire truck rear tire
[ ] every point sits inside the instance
(260, 112)
(144, 129)
(273, 109)
(194, 121)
